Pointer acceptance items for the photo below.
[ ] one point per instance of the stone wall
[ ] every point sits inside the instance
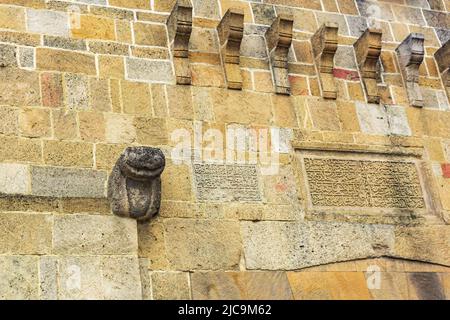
(363, 172)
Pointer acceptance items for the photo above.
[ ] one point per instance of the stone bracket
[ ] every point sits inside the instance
(410, 54)
(442, 57)
(279, 40)
(231, 32)
(368, 49)
(179, 26)
(134, 185)
(325, 43)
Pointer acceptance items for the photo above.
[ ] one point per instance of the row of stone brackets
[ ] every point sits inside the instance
(324, 43)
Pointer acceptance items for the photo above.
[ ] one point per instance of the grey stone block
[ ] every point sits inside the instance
(149, 70)
(19, 277)
(290, 246)
(48, 22)
(372, 118)
(65, 182)
(14, 178)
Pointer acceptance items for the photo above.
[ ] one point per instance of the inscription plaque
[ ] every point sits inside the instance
(226, 182)
(355, 183)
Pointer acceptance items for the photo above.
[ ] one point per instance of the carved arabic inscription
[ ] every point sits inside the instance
(352, 183)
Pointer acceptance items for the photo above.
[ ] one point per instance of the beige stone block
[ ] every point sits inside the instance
(434, 149)
(35, 122)
(284, 111)
(18, 149)
(19, 279)
(280, 188)
(152, 244)
(94, 235)
(106, 155)
(132, 4)
(68, 154)
(150, 34)
(324, 115)
(19, 87)
(329, 286)
(23, 233)
(94, 27)
(65, 61)
(111, 67)
(99, 97)
(136, 98)
(170, 286)
(12, 18)
(64, 124)
(240, 286)
(92, 126)
(180, 102)
(176, 182)
(429, 243)
(151, 131)
(10, 121)
(119, 128)
(204, 75)
(194, 244)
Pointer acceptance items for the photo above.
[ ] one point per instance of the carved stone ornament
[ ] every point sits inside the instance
(134, 186)
(410, 56)
(231, 32)
(324, 44)
(442, 57)
(179, 26)
(368, 50)
(279, 40)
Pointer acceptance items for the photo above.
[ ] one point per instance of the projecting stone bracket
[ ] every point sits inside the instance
(442, 57)
(231, 32)
(368, 50)
(279, 40)
(179, 26)
(324, 44)
(410, 56)
(134, 186)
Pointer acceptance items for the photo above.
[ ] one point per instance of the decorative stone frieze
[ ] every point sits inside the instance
(410, 56)
(279, 40)
(368, 50)
(179, 26)
(442, 57)
(134, 186)
(324, 44)
(231, 32)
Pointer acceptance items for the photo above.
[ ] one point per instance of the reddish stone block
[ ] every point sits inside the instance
(346, 74)
(446, 170)
(52, 90)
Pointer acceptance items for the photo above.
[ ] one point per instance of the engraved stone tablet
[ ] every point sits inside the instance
(354, 183)
(216, 182)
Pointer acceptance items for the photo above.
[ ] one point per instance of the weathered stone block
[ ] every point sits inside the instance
(193, 244)
(61, 182)
(34, 122)
(19, 279)
(62, 153)
(19, 87)
(8, 56)
(12, 18)
(240, 286)
(119, 128)
(94, 235)
(288, 245)
(372, 118)
(94, 27)
(149, 70)
(27, 233)
(14, 178)
(170, 286)
(425, 286)
(10, 121)
(65, 61)
(48, 22)
(18, 149)
(150, 34)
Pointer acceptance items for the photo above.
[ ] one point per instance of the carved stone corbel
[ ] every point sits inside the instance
(134, 186)
(324, 44)
(368, 50)
(410, 56)
(231, 32)
(279, 40)
(179, 26)
(442, 57)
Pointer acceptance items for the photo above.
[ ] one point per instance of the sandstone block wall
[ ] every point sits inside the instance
(82, 80)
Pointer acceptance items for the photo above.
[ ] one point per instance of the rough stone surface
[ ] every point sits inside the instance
(62, 182)
(48, 22)
(149, 70)
(14, 178)
(288, 246)
(19, 277)
(191, 244)
(94, 235)
(170, 286)
(240, 286)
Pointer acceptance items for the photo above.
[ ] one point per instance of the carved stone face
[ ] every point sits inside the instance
(142, 163)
